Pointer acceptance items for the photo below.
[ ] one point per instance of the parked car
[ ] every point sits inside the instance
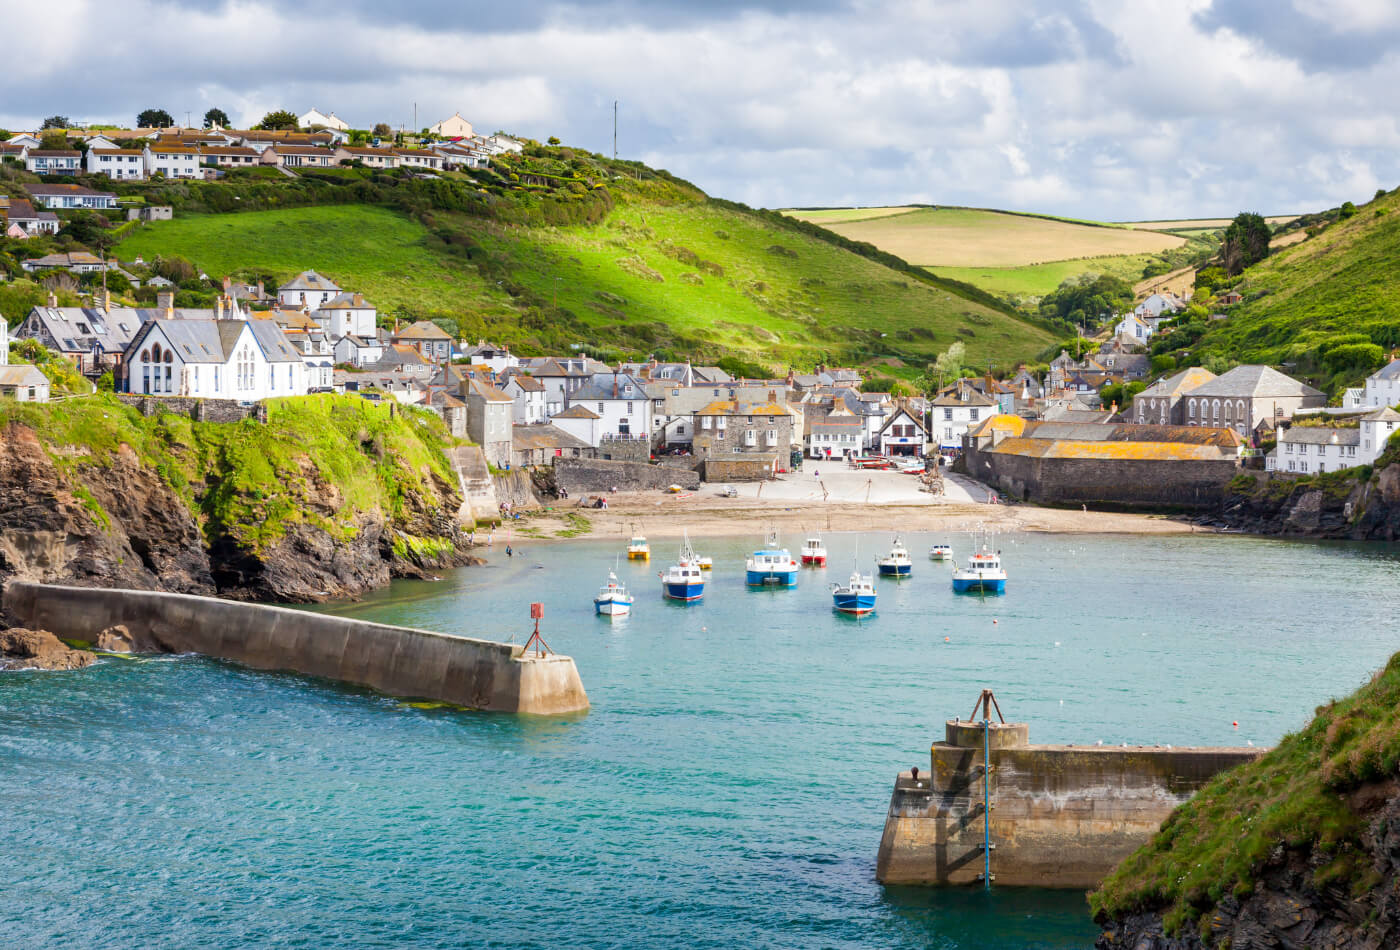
(729, 491)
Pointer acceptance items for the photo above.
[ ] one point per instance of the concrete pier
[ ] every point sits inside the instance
(400, 661)
(1061, 816)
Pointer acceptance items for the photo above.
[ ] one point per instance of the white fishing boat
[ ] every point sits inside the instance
(613, 599)
(814, 552)
(940, 552)
(638, 549)
(983, 572)
(897, 563)
(771, 566)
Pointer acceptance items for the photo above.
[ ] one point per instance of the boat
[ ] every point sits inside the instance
(771, 566)
(940, 552)
(856, 596)
(613, 599)
(897, 562)
(683, 580)
(983, 572)
(638, 549)
(706, 563)
(814, 552)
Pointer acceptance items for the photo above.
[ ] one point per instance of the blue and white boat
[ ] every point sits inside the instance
(982, 573)
(856, 596)
(897, 562)
(684, 580)
(940, 552)
(771, 566)
(613, 599)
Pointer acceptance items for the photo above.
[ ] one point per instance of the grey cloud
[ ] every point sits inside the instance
(1315, 43)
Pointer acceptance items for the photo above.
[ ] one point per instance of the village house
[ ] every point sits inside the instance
(535, 445)
(118, 164)
(430, 340)
(316, 118)
(561, 377)
(402, 358)
(347, 314)
(358, 351)
(93, 339)
(954, 413)
(403, 388)
(726, 428)
(838, 434)
(581, 422)
(498, 358)
(418, 158)
(312, 342)
(52, 161)
(77, 262)
(527, 393)
(621, 404)
(1307, 448)
(299, 156)
(228, 156)
(453, 127)
(1246, 395)
(902, 434)
(307, 289)
(1133, 327)
(68, 197)
(369, 157)
(216, 359)
(172, 160)
(1382, 388)
(1160, 403)
(264, 139)
(488, 420)
(1158, 304)
(30, 222)
(23, 382)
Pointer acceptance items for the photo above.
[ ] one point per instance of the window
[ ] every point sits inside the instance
(600, 408)
(972, 414)
(947, 414)
(629, 407)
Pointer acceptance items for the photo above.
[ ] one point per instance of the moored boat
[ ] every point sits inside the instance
(982, 573)
(940, 552)
(684, 580)
(856, 596)
(814, 552)
(638, 549)
(613, 599)
(771, 566)
(897, 563)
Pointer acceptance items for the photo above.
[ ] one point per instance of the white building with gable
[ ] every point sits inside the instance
(317, 117)
(214, 359)
(307, 289)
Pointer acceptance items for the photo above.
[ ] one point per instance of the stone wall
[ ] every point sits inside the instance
(200, 410)
(745, 468)
(516, 488)
(400, 661)
(625, 450)
(581, 476)
(1144, 483)
(1062, 816)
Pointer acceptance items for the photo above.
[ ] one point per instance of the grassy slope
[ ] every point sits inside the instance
(1035, 280)
(251, 480)
(809, 302)
(1344, 280)
(1220, 841)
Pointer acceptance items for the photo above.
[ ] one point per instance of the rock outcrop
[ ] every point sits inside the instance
(1338, 506)
(24, 649)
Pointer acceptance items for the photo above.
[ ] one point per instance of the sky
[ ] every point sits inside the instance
(1101, 109)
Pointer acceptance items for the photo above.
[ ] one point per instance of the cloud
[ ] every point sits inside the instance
(1091, 108)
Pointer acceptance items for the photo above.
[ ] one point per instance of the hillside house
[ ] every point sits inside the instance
(728, 428)
(52, 161)
(430, 340)
(1382, 388)
(497, 358)
(418, 158)
(453, 127)
(488, 420)
(307, 289)
(358, 351)
(347, 314)
(1245, 395)
(1133, 327)
(527, 393)
(229, 156)
(402, 358)
(621, 403)
(316, 118)
(69, 197)
(1158, 304)
(172, 160)
(30, 222)
(369, 157)
(118, 164)
(953, 414)
(300, 156)
(215, 359)
(78, 262)
(1308, 449)
(561, 378)
(23, 382)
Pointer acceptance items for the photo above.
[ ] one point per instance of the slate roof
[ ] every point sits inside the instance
(577, 412)
(1390, 371)
(1254, 381)
(196, 341)
(604, 386)
(1184, 381)
(1383, 414)
(544, 437)
(22, 374)
(41, 191)
(310, 280)
(527, 384)
(1321, 435)
(273, 341)
(423, 330)
(484, 390)
(974, 398)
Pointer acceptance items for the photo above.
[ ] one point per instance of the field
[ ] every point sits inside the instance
(1199, 224)
(825, 216)
(969, 237)
(1034, 280)
(697, 279)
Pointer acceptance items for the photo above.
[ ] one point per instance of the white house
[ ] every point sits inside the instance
(581, 423)
(214, 359)
(68, 197)
(902, 434)
(346, 314)
(172, 160)
(23, 382)
(954, 413)
(528, 395)
(317, 117)
(1134, 327)
(621, 403)
(118, 164)
(307, 289)
(358, 351)
(1309, 449)
(1157, 304)
(454, 127)
(497, 358)
(53, 161)
(838, 435)
(1382, 387)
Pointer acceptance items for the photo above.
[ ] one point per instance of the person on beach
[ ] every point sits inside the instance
(509, 552)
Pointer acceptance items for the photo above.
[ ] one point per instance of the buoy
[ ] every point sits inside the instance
(994, 620)
(945, 639)
(1057, 643)
(1236, 723)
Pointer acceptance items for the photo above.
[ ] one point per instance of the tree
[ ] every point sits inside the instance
(154, 119)
(554, 140)
(279, 119)
(1246, 242)
(948, 365)
(1347, 210)
(382, 129)
(1086, 298)
(54, 140)
(56, 122)
(216, 117)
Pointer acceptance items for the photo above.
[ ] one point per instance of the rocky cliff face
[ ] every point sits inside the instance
(1287, 908)
(117, 522)
(1338, 506)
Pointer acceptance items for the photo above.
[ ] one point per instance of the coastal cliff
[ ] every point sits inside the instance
(331, 496)
(1359, 504)
(1300, 848)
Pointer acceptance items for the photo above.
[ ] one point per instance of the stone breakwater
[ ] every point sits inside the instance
(400, 661)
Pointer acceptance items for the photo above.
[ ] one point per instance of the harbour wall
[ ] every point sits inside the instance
(400, 661)
(1141, 483)
(582, 476)
(1061, 816)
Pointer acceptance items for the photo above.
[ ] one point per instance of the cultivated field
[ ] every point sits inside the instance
(967, 237)
(1199, 224)
(1036, 280)
(824, 216)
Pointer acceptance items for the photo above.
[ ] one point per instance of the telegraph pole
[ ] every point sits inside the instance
(614, 130)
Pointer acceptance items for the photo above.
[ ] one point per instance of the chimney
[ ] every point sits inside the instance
(165, 300)
(219, 307)
(106, 300)
(53, 299)
(359, 300)
(260, 290)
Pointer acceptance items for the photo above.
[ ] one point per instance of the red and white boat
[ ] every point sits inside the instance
(814, 552)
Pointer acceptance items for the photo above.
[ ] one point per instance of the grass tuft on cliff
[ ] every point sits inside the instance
(319, 459)
(1296, 797)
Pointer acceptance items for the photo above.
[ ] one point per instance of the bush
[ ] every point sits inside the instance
(1163, 363)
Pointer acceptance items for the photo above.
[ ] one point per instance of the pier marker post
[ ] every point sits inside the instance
(987, 700)
(541, 648)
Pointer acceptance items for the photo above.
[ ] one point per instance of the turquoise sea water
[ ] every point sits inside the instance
(727, 789)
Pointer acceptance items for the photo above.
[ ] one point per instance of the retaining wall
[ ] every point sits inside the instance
(516, 488)
(1062, 816)
(200, 410)
(397, 660)
(1145, 483)
(740, 468)
(605, 475)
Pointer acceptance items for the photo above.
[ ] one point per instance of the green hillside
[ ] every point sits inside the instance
(637, 263)
(1326, 309)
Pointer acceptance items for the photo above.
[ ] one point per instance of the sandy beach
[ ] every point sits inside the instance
(838, 499)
